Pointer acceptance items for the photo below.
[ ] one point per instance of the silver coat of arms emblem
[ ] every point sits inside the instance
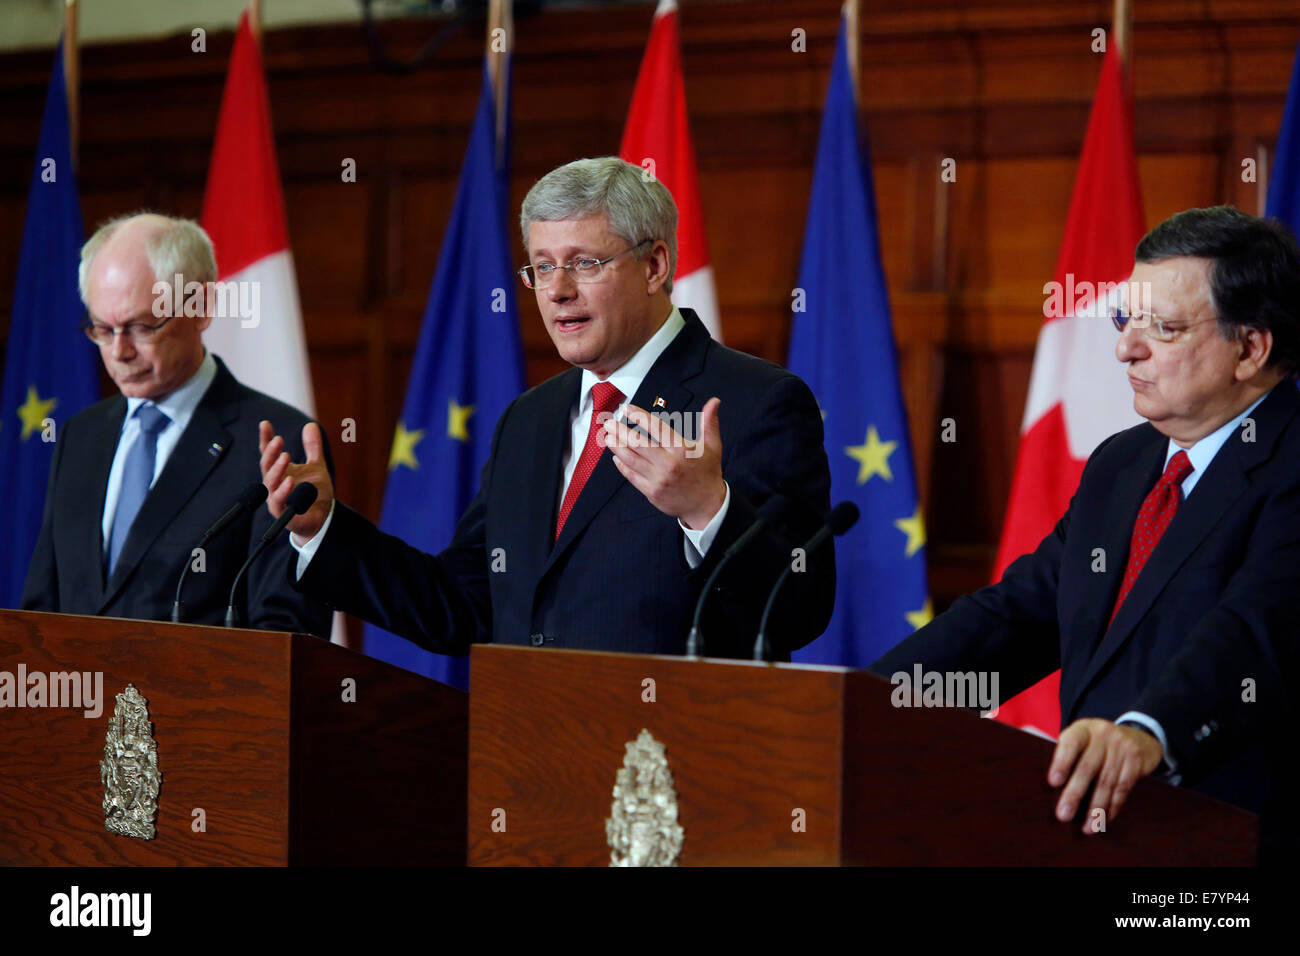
(129, 770)
(642, 828)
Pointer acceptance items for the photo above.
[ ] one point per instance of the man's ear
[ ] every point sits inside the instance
(1256, 347)
(656, 266)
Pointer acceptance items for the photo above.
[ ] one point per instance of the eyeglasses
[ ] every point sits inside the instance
(582, 270)
(138, 332)
(1151, 324)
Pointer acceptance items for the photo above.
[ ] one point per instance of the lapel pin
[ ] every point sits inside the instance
(214, 450)
(659, 403)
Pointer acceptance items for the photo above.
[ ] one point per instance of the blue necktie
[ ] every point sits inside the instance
(137, 476)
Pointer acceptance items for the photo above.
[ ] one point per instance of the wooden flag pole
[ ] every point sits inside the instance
(72, 75)
(500, 16)
(255, 20)
(1122, 29)
(851, 28)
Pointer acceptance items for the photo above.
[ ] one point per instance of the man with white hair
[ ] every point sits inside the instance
(138, 478)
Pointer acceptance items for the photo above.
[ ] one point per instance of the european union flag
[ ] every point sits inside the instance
(842, 345)
(51, 370)
(1284, 183)
(468, 368)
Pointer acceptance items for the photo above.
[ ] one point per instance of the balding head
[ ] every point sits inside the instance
(120, 265)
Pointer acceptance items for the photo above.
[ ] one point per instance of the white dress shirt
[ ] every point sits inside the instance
(1200, 455)
(178, 406)
(627, 378)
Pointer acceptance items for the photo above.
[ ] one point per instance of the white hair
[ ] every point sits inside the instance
(177, 246)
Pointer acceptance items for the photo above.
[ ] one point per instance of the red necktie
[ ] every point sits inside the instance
(604, 399)
(1157, 511)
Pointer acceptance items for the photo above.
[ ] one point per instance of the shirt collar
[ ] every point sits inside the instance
(179, 404)
(1203, 452)
(628, 377)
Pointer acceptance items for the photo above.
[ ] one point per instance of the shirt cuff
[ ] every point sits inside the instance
(696, 544)
(1168, 766)
(307, 549)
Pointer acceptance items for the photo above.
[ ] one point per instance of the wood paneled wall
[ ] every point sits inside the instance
(1001, 86)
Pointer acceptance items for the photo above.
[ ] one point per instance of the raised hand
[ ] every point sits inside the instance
(679, 477)
(281, 476)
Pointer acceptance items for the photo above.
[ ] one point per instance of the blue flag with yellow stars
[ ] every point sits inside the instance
(468, 367)
(51, 371)
(842, 345)
(1284, 182)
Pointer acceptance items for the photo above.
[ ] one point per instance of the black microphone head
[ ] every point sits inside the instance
(303, 496)
(253, 495)
(843, 517)
(774, 509)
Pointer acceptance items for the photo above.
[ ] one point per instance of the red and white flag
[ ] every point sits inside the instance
(1079, 394)
(243, 212)
(262, 343)
(657, 131)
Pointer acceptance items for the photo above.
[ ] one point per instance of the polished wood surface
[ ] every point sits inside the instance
(755, 748)
(253, 729)
(1002, 87)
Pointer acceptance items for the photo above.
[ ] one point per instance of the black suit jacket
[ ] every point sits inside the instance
(215, 459)
(1205, 642)
(617, 578)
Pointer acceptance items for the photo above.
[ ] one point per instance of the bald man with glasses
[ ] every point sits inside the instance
(137, 479)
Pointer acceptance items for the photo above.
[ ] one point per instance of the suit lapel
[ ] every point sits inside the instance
(1224, 481)
(681, 361)
(548, 441)
(205, 441)
(87, 481)
(1131, 486)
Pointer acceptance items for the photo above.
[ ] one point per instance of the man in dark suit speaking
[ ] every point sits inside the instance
(585, 533)
(1168, 592)
(137, 479)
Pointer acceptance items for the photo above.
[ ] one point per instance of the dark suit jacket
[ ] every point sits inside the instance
(215, 459)
(1215, 606)
(617, 578)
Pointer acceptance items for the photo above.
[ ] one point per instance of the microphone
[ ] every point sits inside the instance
(773, 510)
(248, 499)
(842, 517)
(300, 499)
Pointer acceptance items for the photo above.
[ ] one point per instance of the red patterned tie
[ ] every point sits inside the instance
(604, 399)
(1157, 511)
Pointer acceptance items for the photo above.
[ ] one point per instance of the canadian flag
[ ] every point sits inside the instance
(1078, 391)
(243, 213)
(658, 138)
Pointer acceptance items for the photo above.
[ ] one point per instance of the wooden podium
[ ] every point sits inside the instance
(256, 741)
(789, 765)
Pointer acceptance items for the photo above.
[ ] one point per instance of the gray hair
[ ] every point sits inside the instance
(177, 246)
(638, 206)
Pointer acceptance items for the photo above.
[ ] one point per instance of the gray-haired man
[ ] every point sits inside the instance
(138, 478)
(607, 536)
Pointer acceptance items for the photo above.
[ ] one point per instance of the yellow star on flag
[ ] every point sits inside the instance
(34, 411)
(914, 528)
(458, 419)
(919, 619)
(872, 456)
(404, 443)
